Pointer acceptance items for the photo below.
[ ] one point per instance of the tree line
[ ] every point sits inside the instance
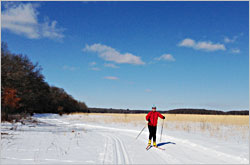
(24, 90)
(174, 111)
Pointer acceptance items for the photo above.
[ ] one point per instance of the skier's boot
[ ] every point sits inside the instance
(154, 144)
(149, 142)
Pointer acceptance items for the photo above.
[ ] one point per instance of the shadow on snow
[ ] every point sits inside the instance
(161, 144)
(164, 143)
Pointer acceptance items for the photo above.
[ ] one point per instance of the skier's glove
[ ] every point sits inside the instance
(149, 120)
(163, 117)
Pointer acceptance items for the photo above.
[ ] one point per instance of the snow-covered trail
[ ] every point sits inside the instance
(61, 140)
(177, 151)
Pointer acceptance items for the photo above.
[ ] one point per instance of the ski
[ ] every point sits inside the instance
(160, 148)
(148, 147)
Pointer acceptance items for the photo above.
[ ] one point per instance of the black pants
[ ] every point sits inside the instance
(152, 132)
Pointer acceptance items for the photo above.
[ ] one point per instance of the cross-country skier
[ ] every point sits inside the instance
(152, 118)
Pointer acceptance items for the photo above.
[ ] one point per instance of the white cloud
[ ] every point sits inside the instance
(235, 50)
(187, 42)
(49, 30)
(233, 39)
(111, 78)
(166, 57)
(201, 45)
(228, 40)
(111, 65)
(110, 54)
(70, 68)
(209, 46)
(21, 19)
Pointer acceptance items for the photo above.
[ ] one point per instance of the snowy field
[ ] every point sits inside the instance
(104, 139)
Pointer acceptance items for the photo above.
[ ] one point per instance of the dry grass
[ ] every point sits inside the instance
(221, 126)
(112, 117)
(216, 119)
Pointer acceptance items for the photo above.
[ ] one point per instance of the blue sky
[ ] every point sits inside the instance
(136, 54)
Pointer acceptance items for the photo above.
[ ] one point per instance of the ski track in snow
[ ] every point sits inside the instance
(116, 146)
(120, 147)
(186, 147)
(124, 158)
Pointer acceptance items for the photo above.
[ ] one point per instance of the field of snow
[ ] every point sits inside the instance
(102, 139)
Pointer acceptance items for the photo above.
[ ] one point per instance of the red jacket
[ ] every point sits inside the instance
(153, 116)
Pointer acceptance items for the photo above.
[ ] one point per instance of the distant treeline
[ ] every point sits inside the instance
(24, 90)
(174, 111)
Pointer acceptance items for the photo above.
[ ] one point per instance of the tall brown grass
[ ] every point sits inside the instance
(217, 119)
(221, 126)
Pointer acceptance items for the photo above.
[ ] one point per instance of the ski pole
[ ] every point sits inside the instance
(162, 128)
(141, 131)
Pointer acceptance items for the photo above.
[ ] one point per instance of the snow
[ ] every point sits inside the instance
(72, 139)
